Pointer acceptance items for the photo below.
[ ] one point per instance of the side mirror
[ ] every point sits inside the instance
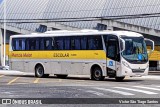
(151, 44)
(122, 45)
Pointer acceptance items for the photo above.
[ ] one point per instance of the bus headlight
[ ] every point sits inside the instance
(125, 64)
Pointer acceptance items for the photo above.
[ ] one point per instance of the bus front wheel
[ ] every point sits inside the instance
(39, 71)
(97, 74)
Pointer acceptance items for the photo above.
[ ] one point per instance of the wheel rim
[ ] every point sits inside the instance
(97, 73)
(40, 71)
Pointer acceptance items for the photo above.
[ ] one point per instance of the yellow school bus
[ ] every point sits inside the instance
(98, 54)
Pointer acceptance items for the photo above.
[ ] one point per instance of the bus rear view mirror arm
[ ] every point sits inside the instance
(122, 45)
(152, 46)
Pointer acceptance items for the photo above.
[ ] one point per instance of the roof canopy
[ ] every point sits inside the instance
(51, 9)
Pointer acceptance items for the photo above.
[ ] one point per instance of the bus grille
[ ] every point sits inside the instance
(138, 70)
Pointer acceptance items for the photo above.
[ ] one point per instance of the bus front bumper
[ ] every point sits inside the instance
(134, 72)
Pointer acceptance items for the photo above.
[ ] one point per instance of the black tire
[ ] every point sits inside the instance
(39, 71)
(119, 79)
(62, 76)
(97, 74)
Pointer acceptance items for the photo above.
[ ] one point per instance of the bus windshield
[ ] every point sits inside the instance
(135, 49)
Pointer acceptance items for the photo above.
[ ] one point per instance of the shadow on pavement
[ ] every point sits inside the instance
(78, 78)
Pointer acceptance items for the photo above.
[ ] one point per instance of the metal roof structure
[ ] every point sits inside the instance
(51, 9)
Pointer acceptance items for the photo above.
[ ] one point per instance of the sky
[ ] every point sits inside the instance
(1, 1)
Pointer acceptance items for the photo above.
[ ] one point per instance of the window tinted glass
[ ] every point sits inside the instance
(48, 44)
(95, 43)
(18, 44)
(84, 43)
(72, 43)
(32, 44)
(13, 44)
(58, 43)
(67, 43)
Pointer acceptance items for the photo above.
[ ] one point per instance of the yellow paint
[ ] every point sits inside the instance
(157, 48)
(10, 82)
(36, 80)
(154, 56)
(87, 54)
(76, 54)
(7, 49)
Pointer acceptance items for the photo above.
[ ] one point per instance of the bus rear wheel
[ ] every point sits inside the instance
(119, 79)
(39, 71)
(97, 74)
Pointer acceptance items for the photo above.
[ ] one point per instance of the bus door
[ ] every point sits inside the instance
(113, 55)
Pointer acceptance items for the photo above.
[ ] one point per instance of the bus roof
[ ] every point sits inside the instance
(79, 33)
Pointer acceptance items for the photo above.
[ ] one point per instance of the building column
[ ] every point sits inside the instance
(1, 47)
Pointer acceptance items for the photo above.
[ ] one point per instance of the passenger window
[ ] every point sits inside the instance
(48, 43)
(67, 43)
(13, 44)
(32, 44)
(95, 43)
(27, 44)
(59, 44)
(18, 44)
(77, 43)
(37, 44)
(23, 44)
(72, 43)
(84, 43)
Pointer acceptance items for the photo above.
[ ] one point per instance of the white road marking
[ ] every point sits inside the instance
(115, 91)
(157, 86)
(157, 89)
(95, 92)
(136, 90)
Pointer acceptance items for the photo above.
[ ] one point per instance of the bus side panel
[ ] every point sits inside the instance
(59, 62)
(47, 69)
(78, 68)
(16, 65)
(26, 65)
(86, 68)
(31, 67)
(66, 67)
(55, 67)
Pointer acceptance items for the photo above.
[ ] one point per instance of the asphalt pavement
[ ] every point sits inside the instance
(80, 89)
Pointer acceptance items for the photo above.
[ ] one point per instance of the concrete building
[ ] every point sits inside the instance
(42, 15)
